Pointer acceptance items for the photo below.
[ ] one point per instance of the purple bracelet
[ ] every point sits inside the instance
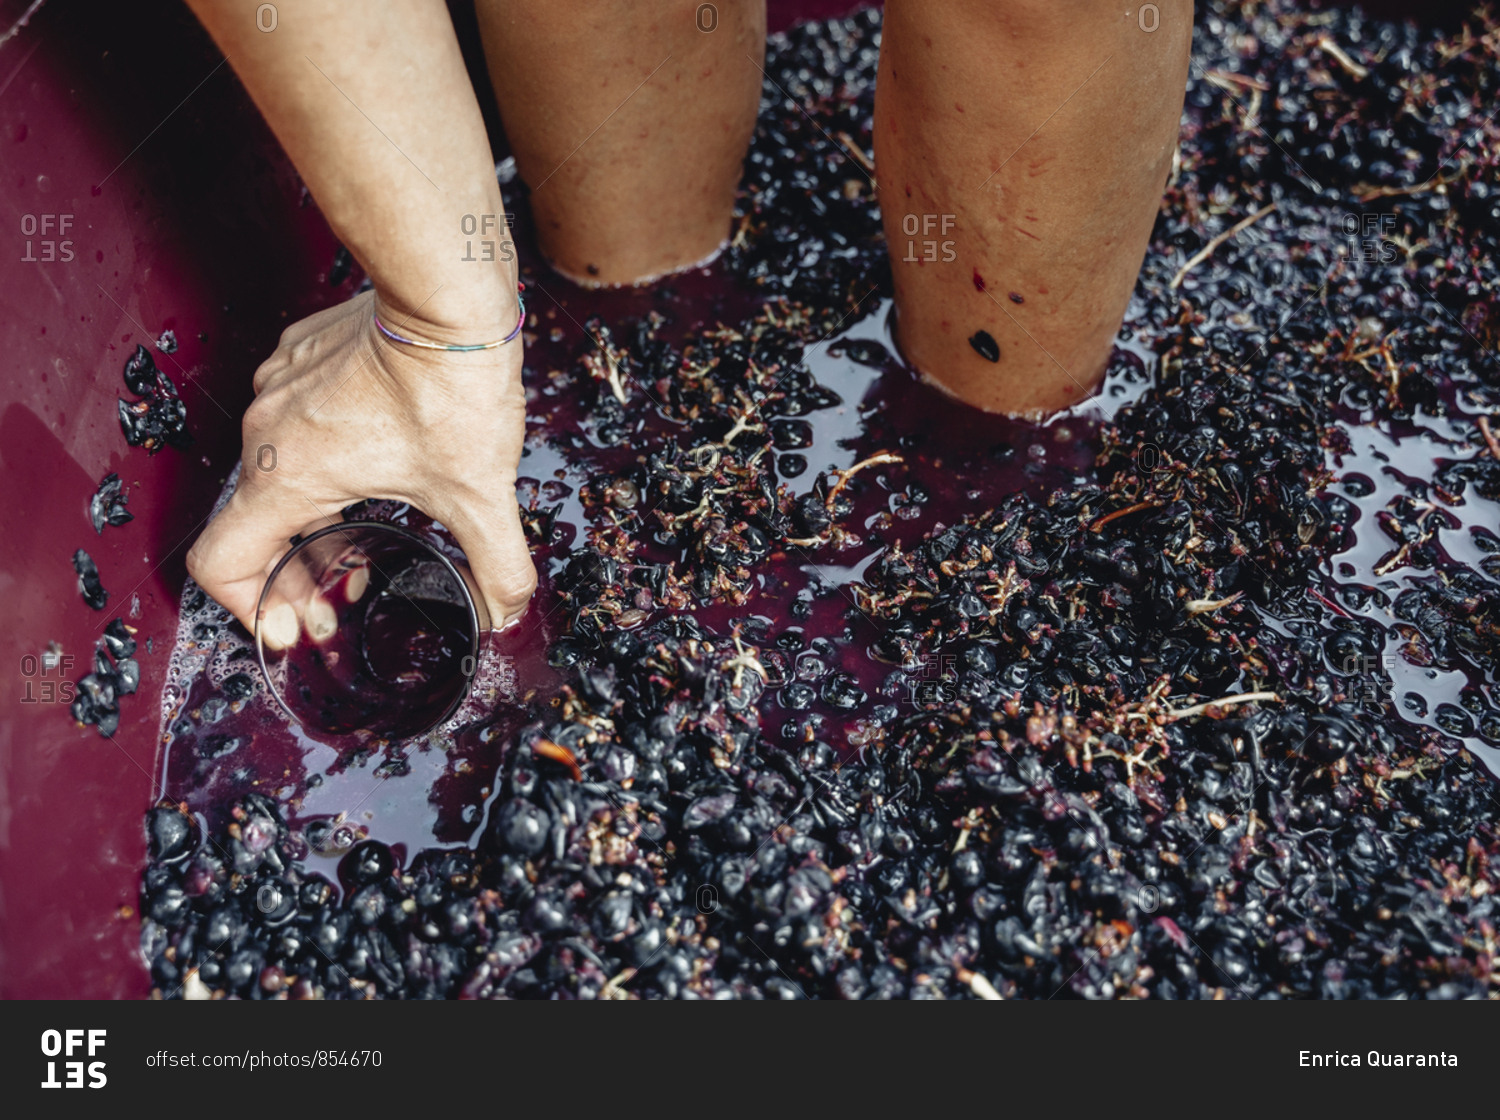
(520, 322)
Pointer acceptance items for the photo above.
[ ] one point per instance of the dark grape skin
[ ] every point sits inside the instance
(171, 834)
(159, 418)
(89, 584)
(985, 346)
(107, 507)
(116, 673)
(140, 372)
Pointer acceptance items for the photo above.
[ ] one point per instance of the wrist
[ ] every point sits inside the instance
(472, 314)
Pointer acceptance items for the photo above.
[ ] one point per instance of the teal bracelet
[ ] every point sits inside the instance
(520, 322)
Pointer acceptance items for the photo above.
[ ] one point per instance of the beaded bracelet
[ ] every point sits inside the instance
(520, 322)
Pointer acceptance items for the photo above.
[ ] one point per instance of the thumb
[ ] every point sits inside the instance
(494, 542)
(233, 556)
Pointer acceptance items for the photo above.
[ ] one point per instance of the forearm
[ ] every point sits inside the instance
(373, 105)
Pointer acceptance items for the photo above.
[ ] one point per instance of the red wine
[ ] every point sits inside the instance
(394, 665)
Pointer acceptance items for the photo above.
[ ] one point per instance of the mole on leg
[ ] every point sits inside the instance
(1031, 141)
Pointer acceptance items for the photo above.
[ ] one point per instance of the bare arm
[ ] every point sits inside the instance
(372, 104)
(374, 107)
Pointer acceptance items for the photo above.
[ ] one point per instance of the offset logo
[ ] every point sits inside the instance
(932, 248)
(53, 244)
(935, 681)
(67, 1044)
(493, 245)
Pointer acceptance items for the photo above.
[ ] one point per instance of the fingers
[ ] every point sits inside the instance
(308, 593)
(235, 553)
(495, 544)
(293, 605)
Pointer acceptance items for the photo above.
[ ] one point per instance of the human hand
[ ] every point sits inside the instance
(352, 415)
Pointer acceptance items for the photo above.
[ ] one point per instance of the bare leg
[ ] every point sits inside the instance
(629, 123)
(1021, 150)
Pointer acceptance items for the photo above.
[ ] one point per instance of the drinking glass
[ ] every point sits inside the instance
(365, 626)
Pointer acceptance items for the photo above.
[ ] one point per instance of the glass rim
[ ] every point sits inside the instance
(476, 630)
